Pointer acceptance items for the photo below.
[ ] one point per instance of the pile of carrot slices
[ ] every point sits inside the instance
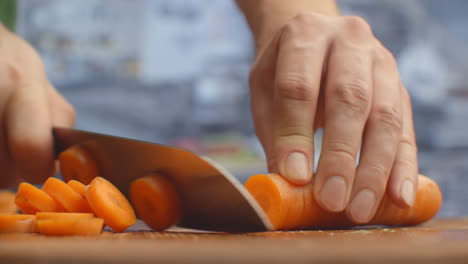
(86, 203)
(72, 208)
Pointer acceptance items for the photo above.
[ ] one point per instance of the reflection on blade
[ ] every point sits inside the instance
(213, 199)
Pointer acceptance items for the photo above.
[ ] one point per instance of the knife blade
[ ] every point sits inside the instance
(213, 199)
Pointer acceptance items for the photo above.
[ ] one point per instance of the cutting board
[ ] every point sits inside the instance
(438, 241)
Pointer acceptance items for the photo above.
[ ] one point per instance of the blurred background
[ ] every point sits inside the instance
(175, 72)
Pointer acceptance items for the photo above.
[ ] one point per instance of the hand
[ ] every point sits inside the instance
(331, 72)
(29, 107)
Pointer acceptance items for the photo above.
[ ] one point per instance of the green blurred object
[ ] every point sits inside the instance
(8, 13)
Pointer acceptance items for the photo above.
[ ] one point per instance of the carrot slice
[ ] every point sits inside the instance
(43, 215)
(110, 204)
(7, 202)
(66, 196)
(78, 187)
(282, 201)
(156, 201)
(17, 223)
(70, 227)
(77, 163)
(31, 200)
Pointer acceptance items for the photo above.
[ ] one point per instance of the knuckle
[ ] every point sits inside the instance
(341, 149)
(378, 173)
(383, 55)
(295, 88)
(356, 25)
(306, 18)
(354, 95)
(408, 142)
(304, 24)
(407, 163)
(388, 115)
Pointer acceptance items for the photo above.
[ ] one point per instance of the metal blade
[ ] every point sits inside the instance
(213, 199)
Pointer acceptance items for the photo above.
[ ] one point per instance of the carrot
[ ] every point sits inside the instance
(289, 206)
(7, 202)
(66, 196)
(156, 201)
(70, 227)
(17, 223)
(110, 204)
(78, 187)
(77, 163)
(31, 200)
(53, 216)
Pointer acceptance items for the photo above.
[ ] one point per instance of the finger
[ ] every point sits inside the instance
(62, 112)
(380, 142)
(261, 97)
(297, 85)
(28, 130)
(347, 102)
(404, 176)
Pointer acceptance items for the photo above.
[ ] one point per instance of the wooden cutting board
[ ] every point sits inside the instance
(438, 241)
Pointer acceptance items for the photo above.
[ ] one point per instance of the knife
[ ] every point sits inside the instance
(213, 199)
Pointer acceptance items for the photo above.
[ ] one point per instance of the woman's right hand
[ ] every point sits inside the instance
(29, 108)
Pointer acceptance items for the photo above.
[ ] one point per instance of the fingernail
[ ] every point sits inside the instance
(362, 206)
(296, 167)
(333, 193)
(407, 192)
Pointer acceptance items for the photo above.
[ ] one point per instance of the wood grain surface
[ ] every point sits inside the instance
(438, 241)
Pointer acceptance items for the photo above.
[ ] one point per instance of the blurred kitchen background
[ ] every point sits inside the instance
(175, 72)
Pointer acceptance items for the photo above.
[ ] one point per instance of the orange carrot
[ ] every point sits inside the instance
(17, 223)
(66, 196)
(31, 200)
(54, 216)
(289, 206)
(77, 163)
(78, 187)
(70, 227)
(110, 204)
(156, 201)
(7, 202)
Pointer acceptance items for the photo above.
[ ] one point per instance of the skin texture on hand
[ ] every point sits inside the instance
(318, 69)
(29, 107)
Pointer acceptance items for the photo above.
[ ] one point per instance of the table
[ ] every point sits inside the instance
(437, 241)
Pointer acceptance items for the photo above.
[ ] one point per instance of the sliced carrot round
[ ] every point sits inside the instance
(30, 200)
(43, 216)
(77, 163)
(66, 196)
(17, 223)
(78, 187)
(7, 202)
(110, 204)
(70, 227)
(156, 201)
